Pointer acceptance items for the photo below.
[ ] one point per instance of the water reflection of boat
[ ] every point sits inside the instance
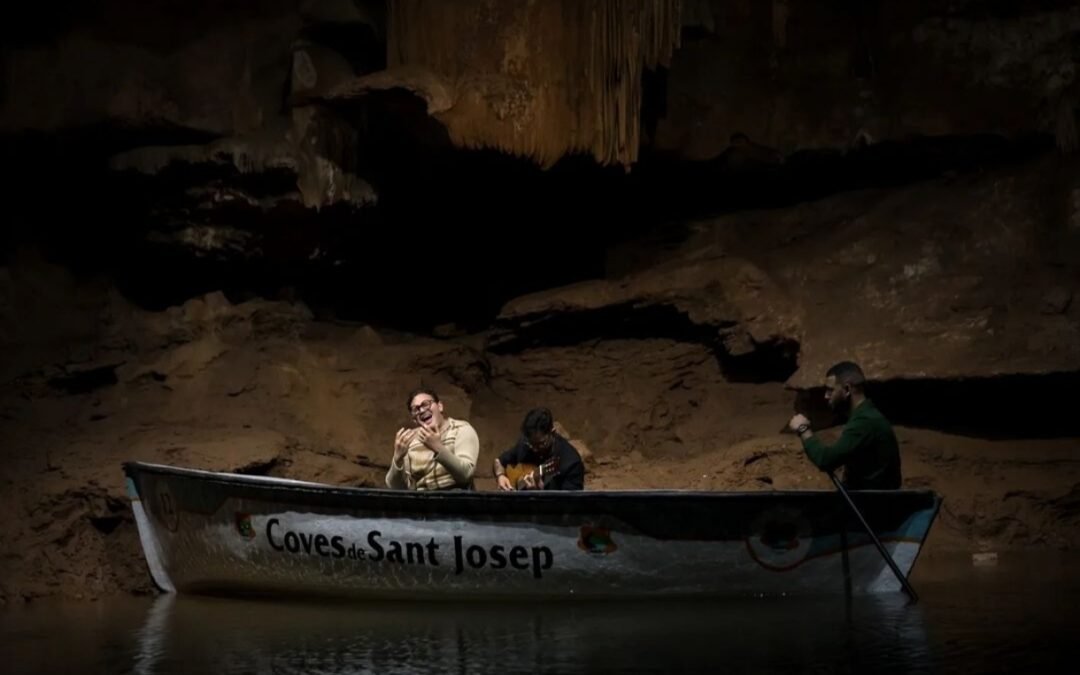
(881, 633)
(228, 533)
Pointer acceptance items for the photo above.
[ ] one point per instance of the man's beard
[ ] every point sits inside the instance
(842, 408)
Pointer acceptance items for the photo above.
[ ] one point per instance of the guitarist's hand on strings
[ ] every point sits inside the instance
(530, 482)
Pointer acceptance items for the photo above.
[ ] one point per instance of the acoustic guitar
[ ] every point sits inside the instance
(541, 473)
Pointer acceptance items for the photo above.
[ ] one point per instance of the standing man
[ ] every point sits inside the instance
(540, 444)
(867, 447)
(438, 454)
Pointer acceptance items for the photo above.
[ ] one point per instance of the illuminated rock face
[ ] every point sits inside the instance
(540, 79)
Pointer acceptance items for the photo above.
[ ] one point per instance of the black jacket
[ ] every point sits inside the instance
(571, 475)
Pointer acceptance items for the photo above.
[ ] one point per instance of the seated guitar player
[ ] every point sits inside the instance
(541, 459)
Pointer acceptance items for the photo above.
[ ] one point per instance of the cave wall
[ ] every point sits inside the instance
(791, 74)
(287, 181)
(215, 67)
(971, 275)
(798, 74)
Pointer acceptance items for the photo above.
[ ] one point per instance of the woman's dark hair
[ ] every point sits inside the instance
(416, 392)
(537, 420)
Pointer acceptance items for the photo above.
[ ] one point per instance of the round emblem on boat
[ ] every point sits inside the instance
(596, 540)
(779, 538)
(244, 526)
(166, 508)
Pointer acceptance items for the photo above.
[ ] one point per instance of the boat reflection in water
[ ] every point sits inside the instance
(202, 634)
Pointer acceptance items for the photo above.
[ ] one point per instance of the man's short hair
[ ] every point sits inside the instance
(537, 420)
(416, 392)
(848, 373)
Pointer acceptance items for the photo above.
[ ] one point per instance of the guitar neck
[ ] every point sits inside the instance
(549, 468)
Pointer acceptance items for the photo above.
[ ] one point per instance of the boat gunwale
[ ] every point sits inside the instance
(292, 485)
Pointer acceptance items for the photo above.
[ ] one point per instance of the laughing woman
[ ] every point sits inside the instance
(438, 454)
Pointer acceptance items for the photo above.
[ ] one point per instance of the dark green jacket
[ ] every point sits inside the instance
(867, 449)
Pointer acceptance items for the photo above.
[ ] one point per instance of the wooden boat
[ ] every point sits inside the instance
(221, 533)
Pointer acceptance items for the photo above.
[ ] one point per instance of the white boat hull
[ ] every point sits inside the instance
(223, 533)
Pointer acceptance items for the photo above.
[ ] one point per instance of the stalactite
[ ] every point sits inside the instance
(540, 78)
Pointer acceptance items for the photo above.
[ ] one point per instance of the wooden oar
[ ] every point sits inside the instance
(881, 549)
(866, 526)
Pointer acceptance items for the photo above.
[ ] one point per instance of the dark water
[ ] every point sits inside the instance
(1022, 615)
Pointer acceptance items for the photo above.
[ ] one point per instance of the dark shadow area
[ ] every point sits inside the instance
(995, 408)
(36, 23)
(357, 42)
(85, 381)
(68, 204)
(654, 98)
(768, 362)
(749, 176)
(773, 361)
(626, 321)
(1004, 9)
(455, 233)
